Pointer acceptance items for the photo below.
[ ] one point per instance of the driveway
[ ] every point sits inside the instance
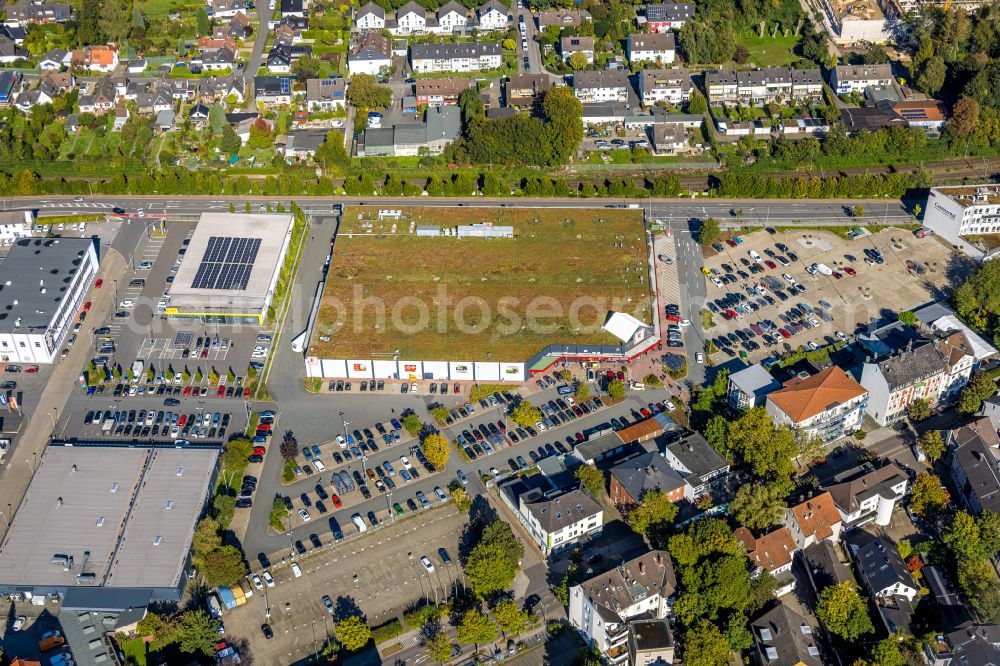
(257, 56)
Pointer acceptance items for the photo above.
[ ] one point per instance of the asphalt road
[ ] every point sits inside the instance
(256, 57)
(691, 282)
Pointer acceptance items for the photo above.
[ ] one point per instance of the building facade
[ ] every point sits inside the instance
(462, 57)
(827, 405)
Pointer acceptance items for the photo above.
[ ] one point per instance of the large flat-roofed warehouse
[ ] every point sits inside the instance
(107, 518)
(43, 284)
(231, 268)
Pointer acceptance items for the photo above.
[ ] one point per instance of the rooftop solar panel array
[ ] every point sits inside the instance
(227, 263)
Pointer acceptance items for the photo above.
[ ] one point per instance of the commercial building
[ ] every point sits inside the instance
(749, 387)
(15, 224)
(461, 57)
(44, 282)
(827, 405)
(967, 216)
(556, 518)
(851, 21)
(111, 519)
(603, 607)
(658, 47)
(231, 268)
(442, 126)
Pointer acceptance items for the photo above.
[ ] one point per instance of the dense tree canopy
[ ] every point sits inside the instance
(712, 572)
(844, 612)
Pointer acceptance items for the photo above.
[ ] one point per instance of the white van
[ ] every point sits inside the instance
(754, 256)
(359, 522)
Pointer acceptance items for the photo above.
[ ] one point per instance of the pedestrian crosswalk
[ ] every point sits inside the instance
(74, 204)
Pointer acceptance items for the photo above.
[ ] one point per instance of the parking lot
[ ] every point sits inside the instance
(353, 575)
(812, 288)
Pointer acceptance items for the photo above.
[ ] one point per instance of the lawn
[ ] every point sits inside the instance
(501, 299)
(135, 651)
(767, 52)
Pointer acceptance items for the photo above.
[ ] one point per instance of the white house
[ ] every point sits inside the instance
(368, 54)
(369, 17)
(602, 86)
(918, 372)
(855, 78)
(672, 86)
(462, 57)
(493, 16)
(558, 523)
(602, 607)
(658, 47)
(814, 519)
(452, 17)
(412, 18)
(881, 567)
(41, 309)
(868, 494)
(827, 405)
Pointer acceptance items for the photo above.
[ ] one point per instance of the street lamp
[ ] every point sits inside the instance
(388, 505)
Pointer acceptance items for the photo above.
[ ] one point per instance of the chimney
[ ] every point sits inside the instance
(642, 567)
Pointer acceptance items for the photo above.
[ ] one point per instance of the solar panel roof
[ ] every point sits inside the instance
(226, 263)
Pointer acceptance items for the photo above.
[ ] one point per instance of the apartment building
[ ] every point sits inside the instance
(763, 86)
(973, 452)
(631, 480)
(603, 86)
(814, 519)
(919, 371)
(749, 387)
(658, 47)
(672, 86)
(570, 45)
(845, 79)
(463, 57)
(827, 405)
(493, 15)
(865, 493)
(604, 607)
(435, 92)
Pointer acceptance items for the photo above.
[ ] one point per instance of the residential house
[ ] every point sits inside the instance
(279, 59)
(970, 644)
(826, 406)
(14, 33)
(43, 94)
(441, 127)
(452, 17)
(929, 115)
(782, 637)
(650, 642)
(668, 139)
(672, 86)
(214, 88)
(435, 92)
(122, 115)
(102, 97)
(136, 67)
(369, 17)
(227, 8)
(61, 82)
(26, 12)
(721, 86)
(149, 102)
(198, 114)
(55, 60)
(369, 54)
(526, 90)
(866, 493)
(823, 566)
(444, 124)
(941, 319)
(845, 79)
(461, 57)
(165, 120)
(602, 608)
(562, 18)
(814, 519)
(763, 86)
(577, 44)
(973, 451)
(959, 351)
(326, 94)
(772, 552)
(302, 144)
(656, 47)
(285, 35)
(646, 473)
(293, 8)
(209, 44)
(666, 16)
(880, 566)
(412, 18)
(749, 387)
(185, 89)
(10, 52)
(493, 15)
(220, 60)
(807, 85)
(920, 371)
(559, 522)
(603, 86)
(238, 27)
(273, 90)
(697, 462)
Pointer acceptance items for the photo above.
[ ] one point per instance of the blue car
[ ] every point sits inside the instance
(356, 451)
(396, 424)
(315, 450)
(307, 453)
(395, 435)
(259, 440)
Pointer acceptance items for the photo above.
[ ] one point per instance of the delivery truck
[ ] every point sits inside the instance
(137, 368)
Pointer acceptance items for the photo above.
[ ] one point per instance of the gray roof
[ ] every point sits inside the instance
(651, 41)
(370, 8)
(974, 454)
(382, 136)
(452, 51)
(785, 638)
(309, 139)
(594, 448)
(911, 365)
(863, 72)
(931, 312)
(29, 261)
(443, 122)
(975, 644)
(649, 635)
(165, 118)
(879, 561)
(698, 456)
(606, 78)
(648, 574)
(824, 566)
(133, 509)
(110, 601)
(755, 380)
(452, 6)
(670, 11)
(566, 509)
(85, 635)
(853, 486)
(409, 134)
(647, 472)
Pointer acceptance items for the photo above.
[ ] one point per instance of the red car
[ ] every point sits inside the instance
(850, 271)
(264, 426)
(204, 353)
(731, 243)
(336, 501)
(259, 450)
(182, 421)
(32, 369)
(221, 392)
(784, 333)
(187, 391)
(99, 283)
(770, 264)
(837, 275)
(246, 393)
(86, 306)
(645, 412)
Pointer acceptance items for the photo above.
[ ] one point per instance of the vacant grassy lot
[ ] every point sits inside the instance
(767, 52)
(502, 299)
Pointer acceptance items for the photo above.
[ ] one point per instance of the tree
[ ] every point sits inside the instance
(962, 536)
(289, 446)
(697, 104)
(591, 478)
(411, 422)
(843, 612)
(979, 388)
(476, 628)
(236, 453)
(509, 617)
(202, 21)
(919, 409)
(461, 499)
(932, 444)
(563, 130)
(352, 633)
(858, 211)
(578, 60)
(224, 506)
(907, 317)
(436, 449)
(261, 135)
(439, 647)
(206, 536)
(927, 496)
(932, 75)
(223, 566)
(886, 653)
(332, 153)
(989, 533)
(767, 449)
(709, 231)
(88, 29)
(440, 414)
(616, 390)
(756, 506)
(365, 92)
(876, 55)
(306, 68)
(493, 562)
(582, 391)
(509, 44)
(655, 512)
(196, 632)
(114, 21)
(525, 414)
(704, 645)
(965, 117)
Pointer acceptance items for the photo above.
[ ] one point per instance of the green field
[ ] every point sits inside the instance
(514, 295)
(767, 52)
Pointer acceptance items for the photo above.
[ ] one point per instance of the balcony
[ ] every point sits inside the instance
(618, 655)
(617, 636)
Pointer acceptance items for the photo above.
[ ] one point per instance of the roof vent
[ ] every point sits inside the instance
(59, 501)
(100, 521)
(180, 471)
(114, 487)
(169, 504)
(156, 540)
